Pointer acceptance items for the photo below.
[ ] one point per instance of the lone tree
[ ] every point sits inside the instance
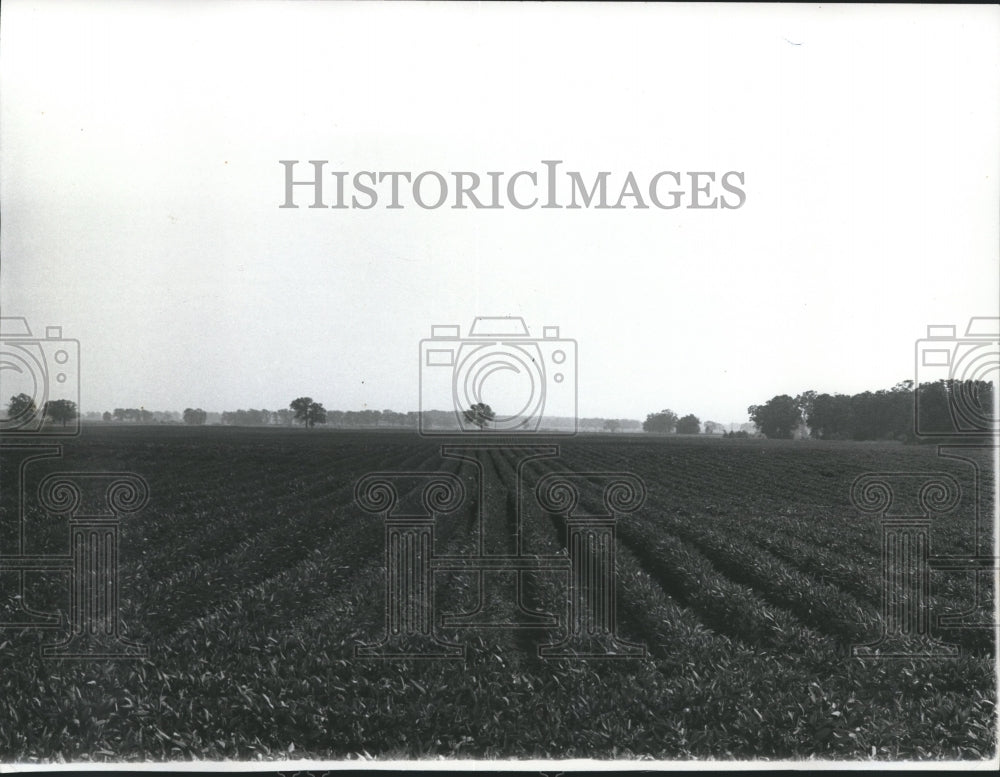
(194, 416)
(612, 425)
(308, 412)
(479, 414)
(61, 410)
(689, 424)
(778, 418)
(21, 407)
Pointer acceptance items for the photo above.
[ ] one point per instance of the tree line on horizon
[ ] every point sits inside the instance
(340, 419)
(905, 412)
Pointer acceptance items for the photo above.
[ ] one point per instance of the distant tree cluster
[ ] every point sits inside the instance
(664, 422)
(879, 415)
(139, 415)
(59, 411)
(251, 417)
(195, 416)
(945, 407)
(306, 411)
(667, 422)
(247, 417)
(142, 416)
(354, 419)
(689, 424)
(609, 425)
(132, 415)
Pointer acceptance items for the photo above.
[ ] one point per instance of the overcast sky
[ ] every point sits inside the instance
(141, 184)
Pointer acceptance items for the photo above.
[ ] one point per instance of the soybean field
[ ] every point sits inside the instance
(743, 605)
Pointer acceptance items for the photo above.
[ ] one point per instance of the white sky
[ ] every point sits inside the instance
(140, 186)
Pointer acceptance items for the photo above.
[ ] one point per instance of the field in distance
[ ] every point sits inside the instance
(252, 575)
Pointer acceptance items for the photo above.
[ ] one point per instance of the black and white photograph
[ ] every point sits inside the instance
(529, 386)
